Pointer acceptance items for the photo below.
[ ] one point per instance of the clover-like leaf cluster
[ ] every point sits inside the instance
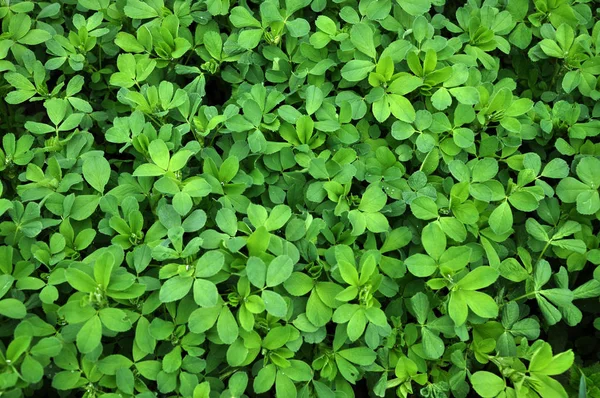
(299, 198)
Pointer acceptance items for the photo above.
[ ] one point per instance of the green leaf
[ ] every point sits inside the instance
(519, 107)
(202, 319)
(128, 42)
(523, 201)
(249, 39)
(299, 284)
(571, 80)
(457, 307)
(481, 304)
(512, 270)
(357, 70)
(227, 327)
(148, 170)
(205, 293)
(588, 202)
(433, 240)
(80, 280)
(264, 379)
(373, 200)
(12, 308)
(115, 319)
(314, 99)
(291, 6)
(361, 36)
(568, 189)
(551, 49)
(298, 27)
(501, 219)
(441, 99)
(376, 222)
(125, 380)
(279, 270)
(227, 221)
(241, 18)
(65, 380)
(284, 386)
(559, 364)
(182, 203)
(213, 44)
(47, 347)
(453, 228)
(404, 84)
(209, 264)
(419, 303)
(362, 356)
(586, 171)
(415, 7)
(536, 230)
(96, 171)
(356, 325)
(281, 191)
(180, 159)
(256, 271)
(570, 244)
(401, 108)
(421, 265)
(57, 110)
(17, 347)
(433, 345)
(541, 358)
(258, 242)
(88, 338)
(487, 384)
(463, 137)
(172, 360)
(274, 303)
(278, 217)
(257, 215)
(396, 239)
(358, 221)
(348, 272)
(484, 170)
(424, 208)
(139, 10)
(38, 128)
(466, 95)
(175, 288)
(159, 153)
(479, 278)
(32, 371)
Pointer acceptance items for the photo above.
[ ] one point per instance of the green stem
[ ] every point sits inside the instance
(544, 251)
(523, 296)
(557, 71)
(226, 374)
(189, 56)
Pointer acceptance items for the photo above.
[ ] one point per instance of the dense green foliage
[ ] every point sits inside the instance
(299, 198)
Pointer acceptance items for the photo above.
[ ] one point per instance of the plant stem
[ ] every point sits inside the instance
(523, 296)
(543, 251)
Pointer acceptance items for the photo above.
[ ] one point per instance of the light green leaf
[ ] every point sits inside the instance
(357, 70)
(501, 219)
(424, 208)
(279, 270)
(175, 288)
(96, 171)
(361, 36)
(88, 338)
(373, 200)
(486, 384)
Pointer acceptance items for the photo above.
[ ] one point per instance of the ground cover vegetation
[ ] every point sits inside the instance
(299, 198)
